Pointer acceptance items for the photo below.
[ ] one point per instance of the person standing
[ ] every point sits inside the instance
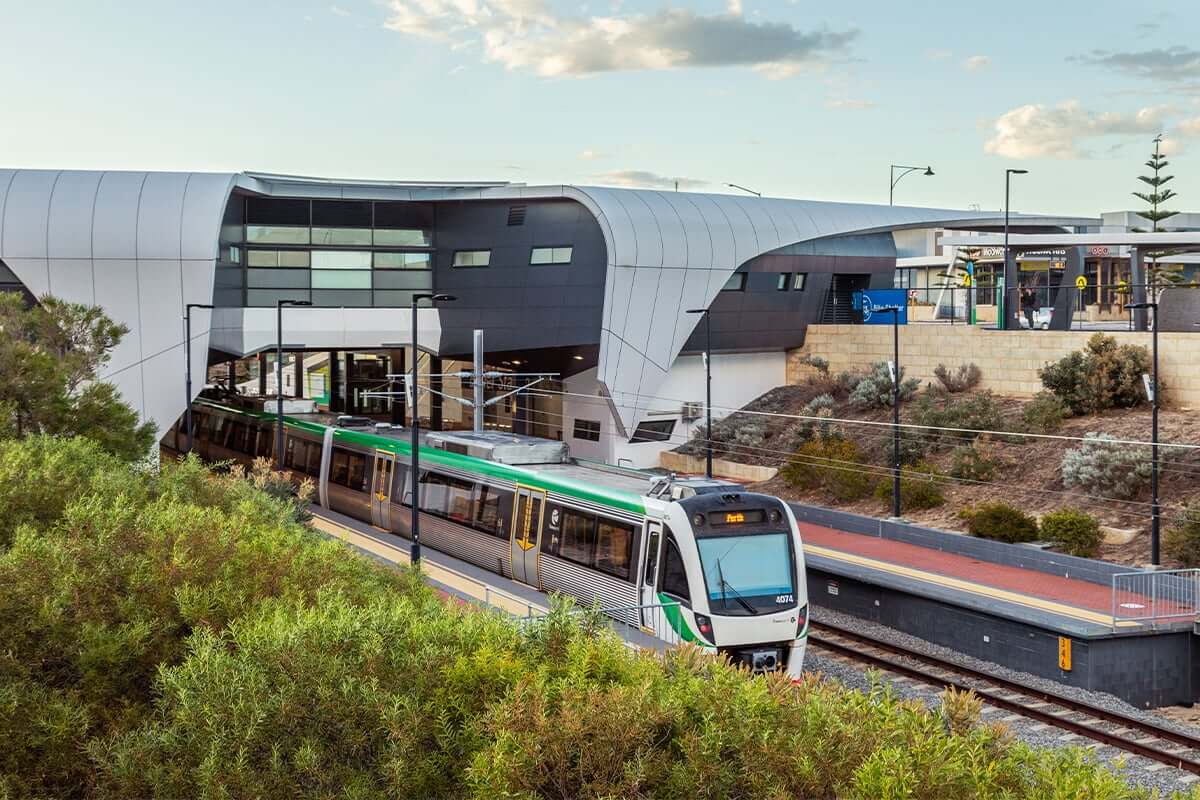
(1028, 304)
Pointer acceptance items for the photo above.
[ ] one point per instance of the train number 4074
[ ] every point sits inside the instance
(781, 599)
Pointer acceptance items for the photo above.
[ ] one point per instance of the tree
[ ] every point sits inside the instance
(1159, 193)
(50, 360)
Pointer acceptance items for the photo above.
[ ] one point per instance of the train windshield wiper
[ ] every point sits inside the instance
(736, 596)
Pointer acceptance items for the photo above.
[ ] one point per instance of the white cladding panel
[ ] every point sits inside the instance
(160, 215)
(72, 279)
(26, 214)
(70, 234)
(115, 222)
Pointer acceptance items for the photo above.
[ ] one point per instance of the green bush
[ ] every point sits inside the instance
(834, 465)
(914, 446)
(1001, 522)
(1181, 541)
(966, 416)
(875, 390)
(920, 488)
(973, 463)
(1074, 531)
(1044, 413)
(963, 379)
(1105, 375)
(1101, 465)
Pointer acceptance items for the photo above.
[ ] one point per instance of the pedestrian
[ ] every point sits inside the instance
(1028, 303)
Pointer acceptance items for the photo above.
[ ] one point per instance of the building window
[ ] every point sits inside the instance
(472, 258)
(783, 282)
(587, 429)
(550, 255)
(798, 281)
(277, 258)
(341, 259)
(736, 283)
(276, 234)
(336, 236)
(657, 430)
(402, 261)
(403, 237)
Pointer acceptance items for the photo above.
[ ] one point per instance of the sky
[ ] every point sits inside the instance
(789, 98)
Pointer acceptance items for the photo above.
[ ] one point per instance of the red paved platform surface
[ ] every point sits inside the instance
(1077, 593)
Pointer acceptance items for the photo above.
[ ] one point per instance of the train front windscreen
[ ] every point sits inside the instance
(748, 573)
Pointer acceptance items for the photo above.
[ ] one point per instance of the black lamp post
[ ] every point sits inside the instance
(1010, 274)
(896, 179)
(708, 452)
(1154, 509)
(279, 304)
(415, 553)
(895, 405)
(187, 349)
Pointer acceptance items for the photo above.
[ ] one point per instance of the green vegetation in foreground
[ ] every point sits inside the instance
(180, 634)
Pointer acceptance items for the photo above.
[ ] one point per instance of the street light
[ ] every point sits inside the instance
(1009, 274)
(187, 349)
(892, 175)
(279, 304)
(1154, 509)
(744, 189)
(708, 453)
(415, 552)
(895, 405)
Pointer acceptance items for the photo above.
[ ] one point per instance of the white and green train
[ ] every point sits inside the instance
(698, 561)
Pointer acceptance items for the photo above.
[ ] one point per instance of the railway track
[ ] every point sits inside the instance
(1112, 728)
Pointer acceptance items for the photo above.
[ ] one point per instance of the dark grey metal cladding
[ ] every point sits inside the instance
(765, 317)
(521, 306)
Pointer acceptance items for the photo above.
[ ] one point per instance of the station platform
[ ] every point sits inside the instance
(1018, 606)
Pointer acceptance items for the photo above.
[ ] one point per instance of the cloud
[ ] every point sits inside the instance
(526, 35)
(976, 63)
(591, 155)
(341, 12)
(1035, 131)
(1170, 64)
(1189, 127)
(939, 55)
(639, 177)
(847, 104)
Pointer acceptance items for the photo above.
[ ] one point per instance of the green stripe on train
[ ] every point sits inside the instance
(612, 498)
(671, 610)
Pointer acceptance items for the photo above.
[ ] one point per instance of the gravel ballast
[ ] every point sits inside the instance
(1140, 771)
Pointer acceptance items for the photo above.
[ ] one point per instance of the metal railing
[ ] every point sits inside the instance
(1156, 598)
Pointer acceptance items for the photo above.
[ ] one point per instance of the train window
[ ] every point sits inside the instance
(266, 441)
(289, 453)
(487, 509)
(358, 472)
(578, 540)
(399, 479)
(433, 493)
(237, 437)
(674, 574)
(458, 500)
(614, 545)
(313, 462)
(652, 555)
(199, 427)
(339, 467)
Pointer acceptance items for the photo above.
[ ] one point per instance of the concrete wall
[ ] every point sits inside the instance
(1009, 359)
(695, 465)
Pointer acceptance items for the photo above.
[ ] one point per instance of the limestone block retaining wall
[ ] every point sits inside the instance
(746, 473)
(1009, 360)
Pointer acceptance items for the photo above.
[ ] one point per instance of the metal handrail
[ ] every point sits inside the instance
(1153, 598)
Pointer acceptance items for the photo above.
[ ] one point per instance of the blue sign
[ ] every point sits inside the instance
(868, 301)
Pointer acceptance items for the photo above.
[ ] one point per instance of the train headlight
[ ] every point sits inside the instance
(801, 620)
(704, 624)
(776, 517)
(698, 520)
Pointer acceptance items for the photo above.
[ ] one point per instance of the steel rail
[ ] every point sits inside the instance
(1021, 705)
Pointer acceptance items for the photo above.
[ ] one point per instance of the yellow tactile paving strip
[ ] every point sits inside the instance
(463, 584)
(991, 592)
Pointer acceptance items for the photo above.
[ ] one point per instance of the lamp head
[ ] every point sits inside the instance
(444, 298)
(1017, 171)
(928, 171)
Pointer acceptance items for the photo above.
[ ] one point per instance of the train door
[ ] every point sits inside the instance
(381, 489)
(524, 540)
(646, 591)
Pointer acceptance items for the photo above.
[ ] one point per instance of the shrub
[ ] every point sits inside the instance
(1182, 540)
(919, 488)
(978, 412)
(1001, 522)
(1044, 413)
(973, 463)
(1074, 531)
(821, 365)
(834, 465)
(914, 446)
(874, 390)
(1102, 466)
(966, 377)
(961, 710)
(1105, 375)
(820, 406)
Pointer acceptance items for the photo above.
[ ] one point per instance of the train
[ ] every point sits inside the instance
(692, 560)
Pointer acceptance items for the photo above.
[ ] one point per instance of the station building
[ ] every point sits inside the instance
(591, 286)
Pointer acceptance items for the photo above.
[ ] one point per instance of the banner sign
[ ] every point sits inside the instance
(866, 302)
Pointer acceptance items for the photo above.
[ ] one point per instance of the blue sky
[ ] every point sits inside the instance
(798, 99)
